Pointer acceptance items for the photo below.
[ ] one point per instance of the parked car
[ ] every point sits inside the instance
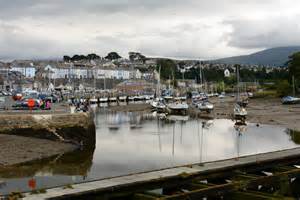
(23, 104)
(5, 93)
(48, 97)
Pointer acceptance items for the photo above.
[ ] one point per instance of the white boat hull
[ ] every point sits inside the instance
(123, 98)
(103, 100)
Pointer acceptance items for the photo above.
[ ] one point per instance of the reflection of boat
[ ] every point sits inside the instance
(93, 107)
(207, 124)
(135, 126)
(113, 127)
(178, 118)
(240, 128)
(103, 105)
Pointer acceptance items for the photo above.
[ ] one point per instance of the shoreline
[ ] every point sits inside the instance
(29, 136)
(33, 147)
(18, 149)
(260, 110)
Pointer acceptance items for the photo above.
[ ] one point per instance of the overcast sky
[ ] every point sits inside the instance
(200, 29)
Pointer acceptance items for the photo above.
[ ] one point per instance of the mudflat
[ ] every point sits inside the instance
(262, 111)
(18, 149)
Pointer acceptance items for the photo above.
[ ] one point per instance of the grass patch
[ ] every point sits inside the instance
(40, 191)
(266, 94)
(69, 186)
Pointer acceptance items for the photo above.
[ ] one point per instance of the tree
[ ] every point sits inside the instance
(283, 88)
(75, 58)
(67, 58)
(168, 68)
(294, 65)
(113, 56)
(92, 56)
(294, 68)
(133, 56)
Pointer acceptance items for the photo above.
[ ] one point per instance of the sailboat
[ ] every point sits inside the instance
(222, 95)
(93, 100)
(204, 105)
(157, 103)
(239, 110)
(104, 99)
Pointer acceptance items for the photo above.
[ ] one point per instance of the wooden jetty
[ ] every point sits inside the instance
(239, 176)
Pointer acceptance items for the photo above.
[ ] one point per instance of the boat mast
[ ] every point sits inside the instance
(201, 77)
(158, 82)
(294, 88)
(238, 83)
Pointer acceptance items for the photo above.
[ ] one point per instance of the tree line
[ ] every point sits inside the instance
(92, 56)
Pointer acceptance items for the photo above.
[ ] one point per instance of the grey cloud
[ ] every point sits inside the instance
(17, 43)
(175, 28)
(268, 33)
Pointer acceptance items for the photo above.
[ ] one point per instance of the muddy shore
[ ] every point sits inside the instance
(18, 149)
(26, 136)
(260, 110)
(263, 111)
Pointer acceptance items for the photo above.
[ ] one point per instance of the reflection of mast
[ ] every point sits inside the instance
(181, 124)
(173, 144)
(238, 144)
(199, 146)
(158, 133)
(239, 130)
(200, 141)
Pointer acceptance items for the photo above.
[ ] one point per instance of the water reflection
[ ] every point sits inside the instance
(136, 142)
(57, 170)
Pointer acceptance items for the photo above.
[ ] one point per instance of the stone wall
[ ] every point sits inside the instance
(76, 128)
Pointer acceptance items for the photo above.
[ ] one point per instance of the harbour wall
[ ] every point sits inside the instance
(78, 128)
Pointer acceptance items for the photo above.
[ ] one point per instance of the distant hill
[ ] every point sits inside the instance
(275, 57)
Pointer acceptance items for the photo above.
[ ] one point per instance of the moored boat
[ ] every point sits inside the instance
(103, 99)
(290, 100)
(93, 100)
(158, 105)
(178, 107)
(205, 106)
(123, 98)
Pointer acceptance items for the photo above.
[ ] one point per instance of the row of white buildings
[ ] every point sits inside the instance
(75, 71)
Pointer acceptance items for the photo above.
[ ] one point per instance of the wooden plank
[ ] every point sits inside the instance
(144, 197)
(248, 195)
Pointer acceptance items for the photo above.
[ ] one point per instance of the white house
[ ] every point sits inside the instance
(117, 73)
(26, 69)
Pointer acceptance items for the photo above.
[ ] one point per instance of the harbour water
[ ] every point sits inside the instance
(131, 142)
